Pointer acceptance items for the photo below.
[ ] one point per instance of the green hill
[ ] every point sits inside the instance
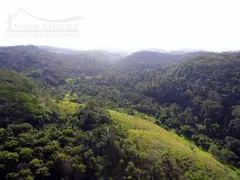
(156, 142)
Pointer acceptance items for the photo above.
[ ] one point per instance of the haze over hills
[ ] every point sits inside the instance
(99, 53)
(122, 51)
(178, 51)
(94, 114)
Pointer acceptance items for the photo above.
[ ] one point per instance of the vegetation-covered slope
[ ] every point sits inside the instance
(37, 143)
(205, 91)
(52, 67)
(18, 100)
(186, 159)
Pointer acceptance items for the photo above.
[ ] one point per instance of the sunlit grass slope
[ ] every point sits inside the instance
(152, 139)
(67, 107)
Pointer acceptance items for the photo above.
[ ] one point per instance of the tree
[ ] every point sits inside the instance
(25, 154)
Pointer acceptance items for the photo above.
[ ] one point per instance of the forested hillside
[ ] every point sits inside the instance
(50, 66)
(55, 120)
(201, 98)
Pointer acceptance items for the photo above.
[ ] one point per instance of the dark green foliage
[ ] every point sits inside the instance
(20, 103)
(207, 88)
(92, 149)
(25, 127)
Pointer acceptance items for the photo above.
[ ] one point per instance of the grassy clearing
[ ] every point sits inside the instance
(136, 114)
(67, 107)
(150, 138)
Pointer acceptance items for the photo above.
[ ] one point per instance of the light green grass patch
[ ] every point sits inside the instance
(67, 107)
(150, 138)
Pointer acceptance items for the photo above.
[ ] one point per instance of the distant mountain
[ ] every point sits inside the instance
(149, 57)
(143, 60)
(99, 54)
(50, 64)
(180, 51)
(158, 50)
(157, 57)
(103, 55)
(122, 53)
(58, 49)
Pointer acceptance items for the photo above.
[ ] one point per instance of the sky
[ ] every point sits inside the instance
(124, 24)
